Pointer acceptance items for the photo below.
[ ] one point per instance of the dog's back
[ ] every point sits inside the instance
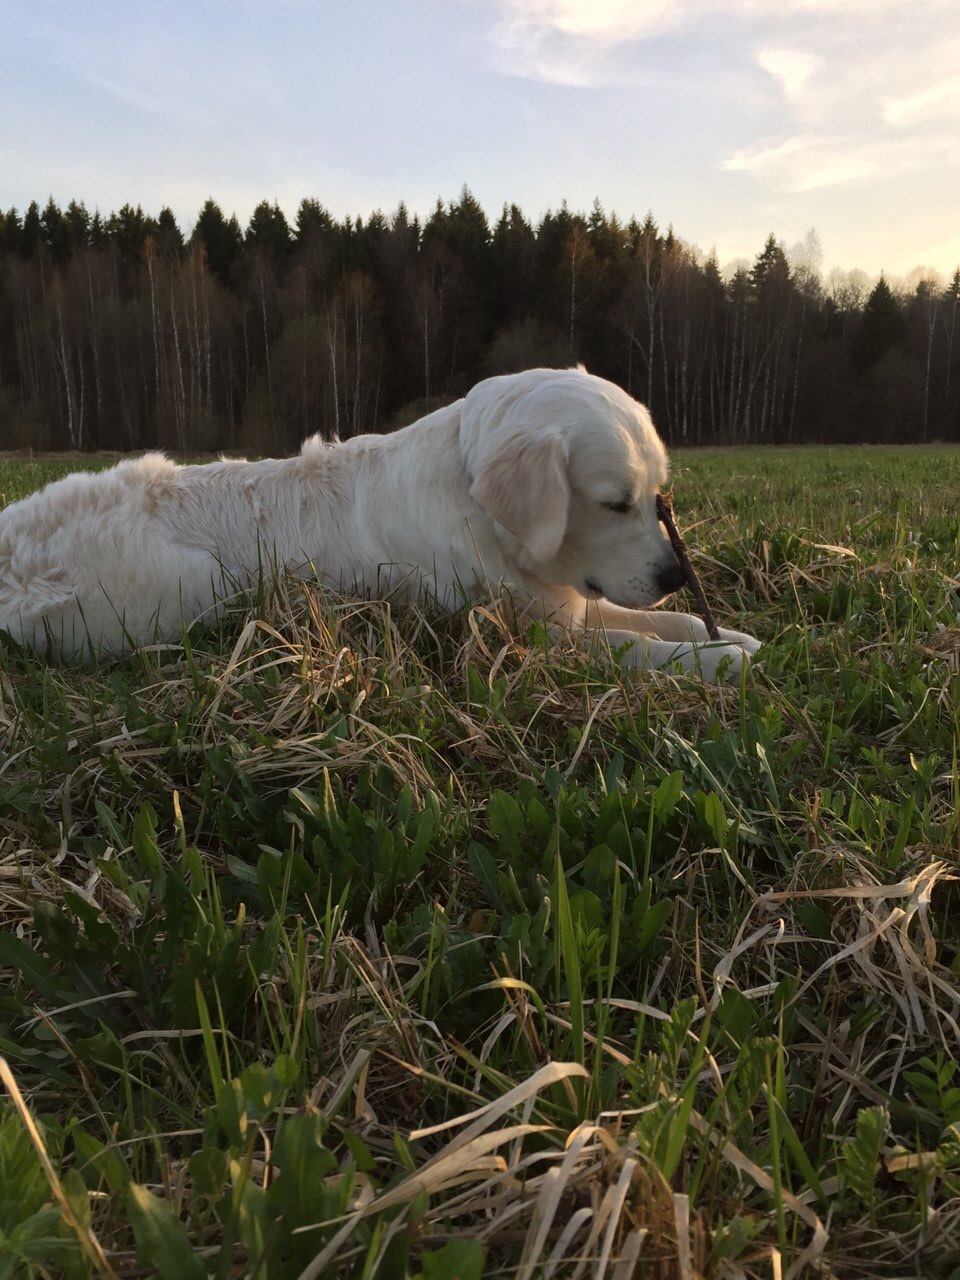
(75, 556)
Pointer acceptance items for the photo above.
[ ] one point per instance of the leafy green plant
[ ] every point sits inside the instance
(860, 1156)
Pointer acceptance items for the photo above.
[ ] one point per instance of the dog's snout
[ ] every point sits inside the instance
(670, 578)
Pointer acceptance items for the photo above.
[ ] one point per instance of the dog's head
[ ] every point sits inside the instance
(569, 466)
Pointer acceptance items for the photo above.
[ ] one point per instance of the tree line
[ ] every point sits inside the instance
(120, 332)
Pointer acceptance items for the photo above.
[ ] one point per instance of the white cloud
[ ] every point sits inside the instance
(597, 22)
(868, 63)
(935, 101)
(809, 162)
(534, 55)
(792, 68)
(529, 25)
(804, 163)
(813, 104)
(629, 20)
(864, 97)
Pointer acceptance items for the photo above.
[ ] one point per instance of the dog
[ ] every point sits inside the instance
(544, 480)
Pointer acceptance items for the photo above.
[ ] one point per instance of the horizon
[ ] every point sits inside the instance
(806, 252)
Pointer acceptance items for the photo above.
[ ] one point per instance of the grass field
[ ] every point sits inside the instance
(357, 942)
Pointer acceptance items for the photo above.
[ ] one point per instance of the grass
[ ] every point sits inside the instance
(352, 941)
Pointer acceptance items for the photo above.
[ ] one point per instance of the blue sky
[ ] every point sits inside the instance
(727, 118)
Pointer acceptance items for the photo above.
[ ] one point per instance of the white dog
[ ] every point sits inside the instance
(544, 480)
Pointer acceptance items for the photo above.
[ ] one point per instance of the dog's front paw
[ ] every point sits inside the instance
(724, 661)
(749, 644)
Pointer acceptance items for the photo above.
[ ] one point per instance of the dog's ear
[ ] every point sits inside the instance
(523, 485)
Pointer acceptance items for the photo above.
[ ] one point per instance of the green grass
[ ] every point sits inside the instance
(353, 941)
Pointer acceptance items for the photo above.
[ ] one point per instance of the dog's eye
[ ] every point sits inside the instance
(621, 508)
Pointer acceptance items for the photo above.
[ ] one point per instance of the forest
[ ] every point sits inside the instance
(120, 332)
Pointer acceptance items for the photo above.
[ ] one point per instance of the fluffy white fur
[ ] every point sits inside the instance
(516, 483)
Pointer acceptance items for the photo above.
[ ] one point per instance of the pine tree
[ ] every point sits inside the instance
(169, 235)
(30, 231)
(128, 228)
(222, 239)
(883, 326)
(10, 231)
(513, 252)
(468, 232)
(605, 233)
(269, 231)
(78, 224)
(770, 274)
(55, 232)
(313, 222)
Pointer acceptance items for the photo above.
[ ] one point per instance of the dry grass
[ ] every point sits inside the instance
(577, 974)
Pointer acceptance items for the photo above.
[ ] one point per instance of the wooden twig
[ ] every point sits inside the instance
(665, 515)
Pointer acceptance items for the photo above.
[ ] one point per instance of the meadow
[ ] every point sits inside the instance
(351, 940)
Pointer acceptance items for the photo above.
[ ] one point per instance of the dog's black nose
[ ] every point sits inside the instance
(670, 579)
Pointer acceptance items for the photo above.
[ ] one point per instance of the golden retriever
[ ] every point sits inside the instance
(545, 481)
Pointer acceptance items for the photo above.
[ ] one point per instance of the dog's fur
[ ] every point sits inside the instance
(544, 480)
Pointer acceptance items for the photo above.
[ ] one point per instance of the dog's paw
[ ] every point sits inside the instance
(749, 644)
(724, 661)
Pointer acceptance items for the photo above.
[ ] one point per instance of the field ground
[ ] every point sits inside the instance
(349, 941)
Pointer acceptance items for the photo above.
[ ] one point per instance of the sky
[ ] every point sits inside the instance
(727, 119)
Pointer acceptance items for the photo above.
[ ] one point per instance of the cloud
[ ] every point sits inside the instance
(599, 22)
(861, 99)
(936, 101)
(847, 90)
(618, 21)
(561, 40)
(573, 42)
(804, 163)
(809, 162)
(792, 68)
(538, 55)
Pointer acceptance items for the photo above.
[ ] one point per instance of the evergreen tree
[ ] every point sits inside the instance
(770, 274)
(10, 231)
(513, 253)
(55, 231)
(468, 233)
(128, 228)
(883, 326)
(269, 231)
(30, 231)
(313, 222)
(78, 224)
(222, 239)
(169, 235)
(368, 243)
(606, 234)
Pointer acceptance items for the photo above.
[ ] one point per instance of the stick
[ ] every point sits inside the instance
(665, 515)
